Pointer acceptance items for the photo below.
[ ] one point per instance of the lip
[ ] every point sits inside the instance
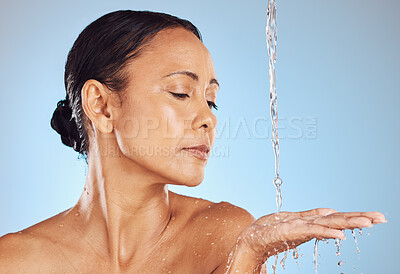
(200, 151)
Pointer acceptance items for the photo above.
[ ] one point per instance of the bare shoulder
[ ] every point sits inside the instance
(29, 250)
(198, 207)
(20, 252)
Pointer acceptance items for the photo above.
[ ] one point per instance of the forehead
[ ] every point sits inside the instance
(176, 49)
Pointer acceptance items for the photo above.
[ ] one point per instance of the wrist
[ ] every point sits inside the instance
(243, 259)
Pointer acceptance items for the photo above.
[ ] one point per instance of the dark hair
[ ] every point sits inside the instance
(101, 52)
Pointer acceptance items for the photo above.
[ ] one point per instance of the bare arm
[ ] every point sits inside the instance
(275, 233)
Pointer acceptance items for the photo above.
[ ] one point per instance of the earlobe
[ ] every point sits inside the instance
(95, 103)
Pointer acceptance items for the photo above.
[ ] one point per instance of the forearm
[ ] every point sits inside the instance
(241, 260)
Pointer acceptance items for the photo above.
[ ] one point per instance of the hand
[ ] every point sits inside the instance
(274, 233)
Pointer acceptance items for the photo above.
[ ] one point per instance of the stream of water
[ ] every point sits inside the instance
(271, 37)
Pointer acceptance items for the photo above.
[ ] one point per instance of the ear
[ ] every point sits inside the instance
(96, 102)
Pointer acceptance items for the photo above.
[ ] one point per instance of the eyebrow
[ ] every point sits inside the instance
(192, 75)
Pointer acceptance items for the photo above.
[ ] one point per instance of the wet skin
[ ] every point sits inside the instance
(126, 220)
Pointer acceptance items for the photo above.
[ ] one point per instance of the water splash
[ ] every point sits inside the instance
(295, 254)
(315, 256)
(283, 261)
(355, 240)
(338, 244)
(275, 264)
(271, 35)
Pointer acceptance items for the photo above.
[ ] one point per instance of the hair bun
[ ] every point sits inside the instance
(65, 125)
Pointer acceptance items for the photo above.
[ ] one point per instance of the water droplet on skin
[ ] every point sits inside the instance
(196, 202)
(206, 217)
(238, 226)
(163, 259)
(340, 263)
(19, 232)
(217, 219)
(252, 235)
(212, 243)
(61, 225)
(208, 234)
(173, 218)
(77, 214)
(209, 206)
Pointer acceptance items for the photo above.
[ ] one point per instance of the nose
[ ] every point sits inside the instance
(204, 118)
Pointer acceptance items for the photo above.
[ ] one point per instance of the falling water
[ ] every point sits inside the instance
(315, 255)
(355, 240)
(271, 44)
(271, 37)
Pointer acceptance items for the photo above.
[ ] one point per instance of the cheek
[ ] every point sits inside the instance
(152, 138)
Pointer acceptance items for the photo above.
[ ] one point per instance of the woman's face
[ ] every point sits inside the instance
(167, 108)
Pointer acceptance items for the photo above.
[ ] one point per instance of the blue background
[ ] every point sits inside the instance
(338, 95)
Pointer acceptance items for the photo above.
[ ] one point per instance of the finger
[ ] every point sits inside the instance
(374, 216)
(342, 222)
(317, 211)
(322, 232)
(275, 218)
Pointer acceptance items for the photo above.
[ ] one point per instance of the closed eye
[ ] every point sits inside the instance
(182, 96)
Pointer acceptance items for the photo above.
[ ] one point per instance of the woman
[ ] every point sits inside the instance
(141, 87)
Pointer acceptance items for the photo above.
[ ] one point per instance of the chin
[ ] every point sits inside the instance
(190, 179)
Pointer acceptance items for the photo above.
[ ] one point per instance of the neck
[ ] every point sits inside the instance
(123, 209)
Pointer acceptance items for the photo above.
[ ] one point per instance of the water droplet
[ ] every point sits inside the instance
(77, 214)
(360, 232)
(209, 233)
(338, 244)
(173, 218)
(295, 254)
(217, 219)
(61, 225)
(19, 232)
(325, 241)
(206, 217)
(196, 202)
(340, 263)
(212, 243)
(163, 259)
